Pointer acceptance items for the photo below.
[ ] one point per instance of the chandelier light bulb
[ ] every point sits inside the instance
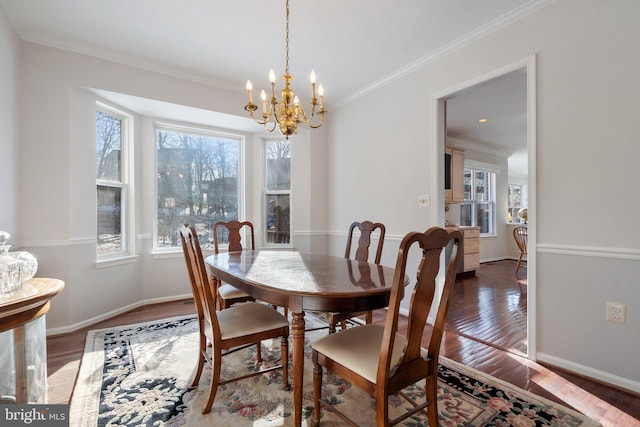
(312, 77)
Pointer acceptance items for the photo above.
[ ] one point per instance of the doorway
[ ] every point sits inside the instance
(509, 131)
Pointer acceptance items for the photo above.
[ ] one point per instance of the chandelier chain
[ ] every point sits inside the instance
(286, 39)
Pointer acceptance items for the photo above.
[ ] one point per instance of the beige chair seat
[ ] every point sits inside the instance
(247, 319)
(228, 292)
(359, 349)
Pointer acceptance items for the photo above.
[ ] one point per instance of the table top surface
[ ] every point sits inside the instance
(303, 273)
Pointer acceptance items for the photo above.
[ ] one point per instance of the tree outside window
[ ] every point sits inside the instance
(197, 183)
(110, 183)
(278, 191)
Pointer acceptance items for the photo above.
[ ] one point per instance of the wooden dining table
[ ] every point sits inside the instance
(303, 281)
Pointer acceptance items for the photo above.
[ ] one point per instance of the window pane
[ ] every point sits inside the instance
(466, 214)
(484, 215)
(278, 165)
(197, 183)
(482, 187)
(108, 147)
(468, 184)
(109, 224)
(278, 218)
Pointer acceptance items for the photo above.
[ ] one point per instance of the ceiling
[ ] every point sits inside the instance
(354, 46)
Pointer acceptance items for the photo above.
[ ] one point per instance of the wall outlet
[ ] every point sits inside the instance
(423, 200)
(616, 312)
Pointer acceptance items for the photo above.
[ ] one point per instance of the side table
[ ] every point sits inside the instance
(23, 347)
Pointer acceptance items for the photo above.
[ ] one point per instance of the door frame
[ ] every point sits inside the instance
(438, 143)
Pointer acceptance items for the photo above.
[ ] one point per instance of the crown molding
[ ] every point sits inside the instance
(495, 25)
(135, 61)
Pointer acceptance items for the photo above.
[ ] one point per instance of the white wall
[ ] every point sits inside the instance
(8, 129)
(588, 100)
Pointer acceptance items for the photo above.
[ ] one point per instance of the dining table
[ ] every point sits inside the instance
(304, 281)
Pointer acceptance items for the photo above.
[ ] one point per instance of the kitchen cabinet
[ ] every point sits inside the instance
(455, 194)
(471, 248)
(469, 261)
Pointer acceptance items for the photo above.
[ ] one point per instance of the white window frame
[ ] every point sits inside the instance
(193, 128)
(493, 172)
(126, 185)
(266, 192)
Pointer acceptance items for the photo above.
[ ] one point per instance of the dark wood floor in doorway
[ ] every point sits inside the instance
(491, 307)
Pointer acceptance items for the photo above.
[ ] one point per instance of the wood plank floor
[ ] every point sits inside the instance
(503, 329)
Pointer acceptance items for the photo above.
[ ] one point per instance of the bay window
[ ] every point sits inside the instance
(197, 182)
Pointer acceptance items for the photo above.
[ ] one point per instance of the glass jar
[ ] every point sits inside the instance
(10, 271)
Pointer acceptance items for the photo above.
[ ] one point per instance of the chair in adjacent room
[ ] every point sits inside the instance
(236, 326)
(520, 234)
(379, 360)
(366, 229)
(228, 294)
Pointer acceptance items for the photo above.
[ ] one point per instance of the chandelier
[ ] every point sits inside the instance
(286, 113)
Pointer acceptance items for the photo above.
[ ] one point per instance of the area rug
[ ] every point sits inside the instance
(140, 375)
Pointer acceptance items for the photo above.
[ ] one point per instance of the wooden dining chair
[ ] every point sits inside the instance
(239, 325)
(520, 234)
(378, 359)
(366, 228)
(228, 294)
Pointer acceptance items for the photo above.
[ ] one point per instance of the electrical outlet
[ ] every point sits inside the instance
(616, 312)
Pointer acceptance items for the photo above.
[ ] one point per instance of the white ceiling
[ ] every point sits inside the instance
(354, 46)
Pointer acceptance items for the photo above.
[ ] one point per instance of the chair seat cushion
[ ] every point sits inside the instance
(227, 291)
(358, 349)
(249, 318)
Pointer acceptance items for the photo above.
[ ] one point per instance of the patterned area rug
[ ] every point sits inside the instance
(140, 375)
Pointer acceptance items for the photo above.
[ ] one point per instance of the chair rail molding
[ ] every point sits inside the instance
(589, 251)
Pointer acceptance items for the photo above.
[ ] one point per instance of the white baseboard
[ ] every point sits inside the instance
(605, 377)
(88, 322)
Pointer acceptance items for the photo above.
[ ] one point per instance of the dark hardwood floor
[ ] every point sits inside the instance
(493, 342)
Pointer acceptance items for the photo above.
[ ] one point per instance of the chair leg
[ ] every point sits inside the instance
(343, 325)
(216, 364)
(284, 354)
(317, 393)
(382, 410)
(258, 353)
(369, 318)
(201, 360)
(431, 391)
(518, 264)
(332, 328)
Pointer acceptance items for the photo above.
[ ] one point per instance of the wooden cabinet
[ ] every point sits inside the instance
(471, 248)
(456, 193)
(469, 260)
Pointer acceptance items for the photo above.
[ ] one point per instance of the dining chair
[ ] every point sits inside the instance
(380, 360)
(366, 228)
(228, 294)
(236, 326)
(520, 234)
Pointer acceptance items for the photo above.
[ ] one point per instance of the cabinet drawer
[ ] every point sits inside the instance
(471, 246)
(470, 233)
(471, 261)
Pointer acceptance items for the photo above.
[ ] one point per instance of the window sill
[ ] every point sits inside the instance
(111, 262)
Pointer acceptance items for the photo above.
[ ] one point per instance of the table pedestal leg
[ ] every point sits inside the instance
(298, 326)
